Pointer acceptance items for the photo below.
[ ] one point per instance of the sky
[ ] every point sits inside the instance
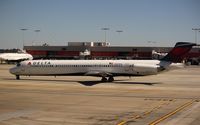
(143, 22)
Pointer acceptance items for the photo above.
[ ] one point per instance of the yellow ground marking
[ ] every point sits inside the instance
(145, 113)
(172, 112)
(122, 123)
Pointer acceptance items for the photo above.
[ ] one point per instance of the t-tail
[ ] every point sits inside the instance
(179, 52)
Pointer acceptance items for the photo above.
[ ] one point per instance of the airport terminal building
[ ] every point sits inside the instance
(98, 50)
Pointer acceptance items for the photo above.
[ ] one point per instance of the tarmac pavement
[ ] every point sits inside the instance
(169, 98)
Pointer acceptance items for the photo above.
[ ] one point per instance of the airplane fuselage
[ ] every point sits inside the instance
(87, 67)
(15, 56)
(104, 68)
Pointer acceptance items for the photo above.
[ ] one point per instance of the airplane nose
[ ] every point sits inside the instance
(13, 70)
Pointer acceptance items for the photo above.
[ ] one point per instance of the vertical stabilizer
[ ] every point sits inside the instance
(178, 53)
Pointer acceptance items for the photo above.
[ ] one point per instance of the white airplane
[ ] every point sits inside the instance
(107, 69)
(15, 57)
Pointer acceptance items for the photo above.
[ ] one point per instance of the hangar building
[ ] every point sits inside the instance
(98, 50)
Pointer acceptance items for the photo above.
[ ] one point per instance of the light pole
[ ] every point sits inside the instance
(36, 31)
(119, 31)
(199, 32)
(105, 29)
(195, 31)
(152, 42)
(23, 30)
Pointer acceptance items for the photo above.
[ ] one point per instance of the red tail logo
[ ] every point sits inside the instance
(178, 53)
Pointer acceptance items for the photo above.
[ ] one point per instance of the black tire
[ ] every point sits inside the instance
(110, 79)
(17, 77)
(104, 79)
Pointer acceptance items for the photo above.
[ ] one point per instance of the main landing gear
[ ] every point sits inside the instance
(110, 79)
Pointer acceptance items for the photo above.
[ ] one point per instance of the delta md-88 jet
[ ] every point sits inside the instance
(107, 69)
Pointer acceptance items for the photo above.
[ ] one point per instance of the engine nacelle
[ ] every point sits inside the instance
(144, 69)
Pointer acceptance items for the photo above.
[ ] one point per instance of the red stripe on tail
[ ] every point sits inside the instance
(179, 52)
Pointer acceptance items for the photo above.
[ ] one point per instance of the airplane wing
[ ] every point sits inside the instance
(16, 59)
(98, 73)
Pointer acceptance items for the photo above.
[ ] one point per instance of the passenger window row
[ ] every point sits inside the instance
(77, 65)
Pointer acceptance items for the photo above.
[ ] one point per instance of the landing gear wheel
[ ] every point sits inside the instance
(110, 79)
(17, 77)
(104, 79)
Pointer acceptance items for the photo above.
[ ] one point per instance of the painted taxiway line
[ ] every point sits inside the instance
(15, 114)
(144, 114)
(186, 117)
(172, 112)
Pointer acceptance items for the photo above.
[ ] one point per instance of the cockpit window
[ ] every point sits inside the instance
(18, 64)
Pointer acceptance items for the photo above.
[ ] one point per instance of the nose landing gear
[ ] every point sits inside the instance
(17, 77)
